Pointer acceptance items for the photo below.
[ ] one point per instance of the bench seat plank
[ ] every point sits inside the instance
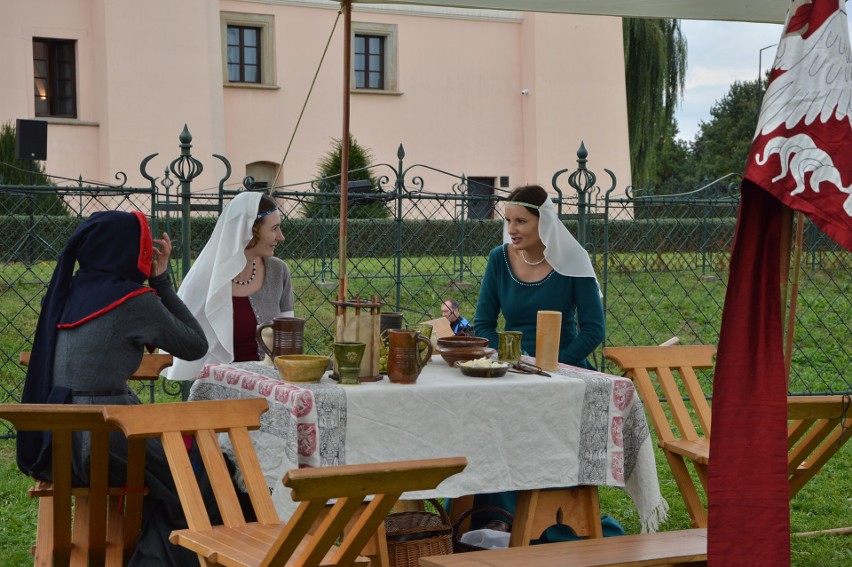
(642, 550)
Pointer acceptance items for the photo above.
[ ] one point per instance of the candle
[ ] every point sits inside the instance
(547, 332)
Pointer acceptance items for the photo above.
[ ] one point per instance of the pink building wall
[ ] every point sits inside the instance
(144, 69)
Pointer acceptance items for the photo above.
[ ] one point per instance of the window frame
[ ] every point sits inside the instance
(368, 54)
(265, 24)
(243, 46)
(52, 83)
(390, 70)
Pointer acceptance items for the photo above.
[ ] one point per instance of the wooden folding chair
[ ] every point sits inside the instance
(269, 541)
(93, 525)
(686, 442)
(817, 429)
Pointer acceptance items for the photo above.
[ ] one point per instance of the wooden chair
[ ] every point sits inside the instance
(150, 368)
(94, 525)
(269, 541)
(818, 428)
(815, 432)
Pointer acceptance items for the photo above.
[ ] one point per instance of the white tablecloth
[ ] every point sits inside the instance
(517, 432)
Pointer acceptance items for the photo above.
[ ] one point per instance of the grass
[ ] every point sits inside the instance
(643, 307)
(825, 503)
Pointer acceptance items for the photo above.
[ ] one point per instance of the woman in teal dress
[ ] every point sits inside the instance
(540, 266)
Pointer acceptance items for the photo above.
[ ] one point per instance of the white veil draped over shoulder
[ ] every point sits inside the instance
(206, 289)
(562, 251)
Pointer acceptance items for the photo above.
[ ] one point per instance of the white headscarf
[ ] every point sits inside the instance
(562, 251)
(206, 289)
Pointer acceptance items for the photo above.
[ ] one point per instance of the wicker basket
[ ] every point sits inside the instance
(412, 535)
(461, 547)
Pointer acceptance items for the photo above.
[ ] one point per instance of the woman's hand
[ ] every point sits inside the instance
(162, 253)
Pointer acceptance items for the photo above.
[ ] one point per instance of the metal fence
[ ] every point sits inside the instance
(661, 260)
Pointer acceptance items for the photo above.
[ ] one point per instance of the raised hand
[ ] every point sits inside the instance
(162, 253)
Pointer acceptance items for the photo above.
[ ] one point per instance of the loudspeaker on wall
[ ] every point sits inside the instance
(30, 139)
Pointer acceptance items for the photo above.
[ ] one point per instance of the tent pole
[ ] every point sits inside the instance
(342, 292)
(794, 295)
(785, 243)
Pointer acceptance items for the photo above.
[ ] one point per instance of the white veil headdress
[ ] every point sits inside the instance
(206, 289)
(562, 251)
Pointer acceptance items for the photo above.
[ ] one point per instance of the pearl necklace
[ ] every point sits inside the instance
(251, 277)
(527, 262)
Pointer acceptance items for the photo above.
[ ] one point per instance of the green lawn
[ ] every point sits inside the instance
(642, 308)
(825, 503)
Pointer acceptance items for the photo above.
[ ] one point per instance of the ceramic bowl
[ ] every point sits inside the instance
(456, 354)
(303, 368)
(495, 371)
(454, 342)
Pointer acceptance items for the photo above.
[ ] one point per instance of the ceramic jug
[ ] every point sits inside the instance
(388, 320)
(405, 360)
(287, 336)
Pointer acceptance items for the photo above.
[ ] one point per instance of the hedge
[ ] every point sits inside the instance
(369, 238)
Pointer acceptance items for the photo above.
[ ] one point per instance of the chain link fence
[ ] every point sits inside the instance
(661, 260)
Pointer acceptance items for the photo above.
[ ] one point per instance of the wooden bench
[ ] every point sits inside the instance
(683, 547)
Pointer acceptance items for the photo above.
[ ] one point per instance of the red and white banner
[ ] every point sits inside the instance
(801, 158)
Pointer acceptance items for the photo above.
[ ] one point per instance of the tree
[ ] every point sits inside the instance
(360, 205)
(722, 144)
(720, 147)
(675, 172)
(15, 171)
(655, 68)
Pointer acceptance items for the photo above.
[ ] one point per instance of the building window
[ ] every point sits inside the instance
(369, 62)
(243, 54)
(55, 76)
(248, 49)
(374, 62)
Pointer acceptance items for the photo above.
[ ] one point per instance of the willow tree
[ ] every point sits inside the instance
(655, 68)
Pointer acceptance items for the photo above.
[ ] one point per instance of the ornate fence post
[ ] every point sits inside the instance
(399, 191)
(583, 181)
(185, 168)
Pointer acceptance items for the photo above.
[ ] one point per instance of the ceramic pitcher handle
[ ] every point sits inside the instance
(421, 359)
(259, 338)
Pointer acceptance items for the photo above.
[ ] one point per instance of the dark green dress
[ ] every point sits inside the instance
(578, 299)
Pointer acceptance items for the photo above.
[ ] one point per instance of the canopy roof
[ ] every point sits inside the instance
(765, 11)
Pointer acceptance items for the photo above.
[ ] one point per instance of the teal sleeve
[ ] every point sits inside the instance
(590, 322)
(488, 304)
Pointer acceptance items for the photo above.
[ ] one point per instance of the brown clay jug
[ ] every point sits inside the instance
(287, 336)
(405, 360)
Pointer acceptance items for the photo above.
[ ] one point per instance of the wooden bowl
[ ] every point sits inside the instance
(453, 355)
(304, 368)
(455, 342)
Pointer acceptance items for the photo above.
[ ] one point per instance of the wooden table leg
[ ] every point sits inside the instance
(577, 507)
